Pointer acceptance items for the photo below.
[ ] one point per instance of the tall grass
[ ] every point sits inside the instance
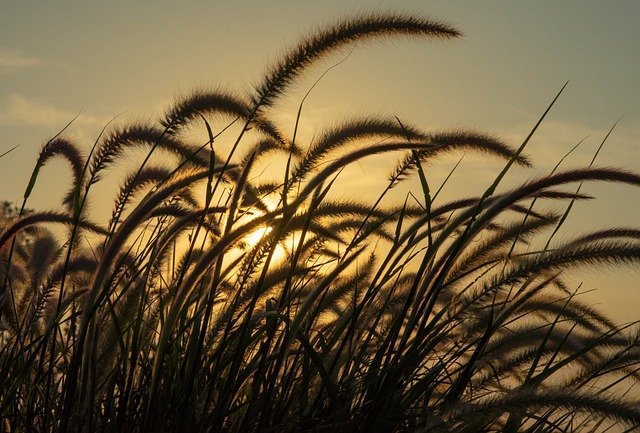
(216, 300)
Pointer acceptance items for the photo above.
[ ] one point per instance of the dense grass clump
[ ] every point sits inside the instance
(215, 299)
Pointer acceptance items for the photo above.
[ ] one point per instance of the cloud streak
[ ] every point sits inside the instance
(18, 110)
(14, 59)
(556, 137)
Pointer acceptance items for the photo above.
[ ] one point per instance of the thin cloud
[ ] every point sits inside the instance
(14, 59)
(18, 110)
(556, 137)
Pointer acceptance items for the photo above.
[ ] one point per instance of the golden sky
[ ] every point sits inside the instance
(130, 58)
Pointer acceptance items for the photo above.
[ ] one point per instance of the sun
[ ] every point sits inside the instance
(253, 238)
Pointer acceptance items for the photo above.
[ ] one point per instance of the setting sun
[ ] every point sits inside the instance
(253, 238)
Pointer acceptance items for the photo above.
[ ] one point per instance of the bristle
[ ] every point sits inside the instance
(337, 36)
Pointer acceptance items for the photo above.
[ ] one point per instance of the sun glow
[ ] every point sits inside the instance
(253, 238)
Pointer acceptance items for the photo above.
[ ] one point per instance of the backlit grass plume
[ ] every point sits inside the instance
(215, 298)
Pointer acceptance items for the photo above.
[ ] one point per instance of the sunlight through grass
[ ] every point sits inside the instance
(214, 299)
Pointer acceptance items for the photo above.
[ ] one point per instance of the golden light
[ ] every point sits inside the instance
(253, 238)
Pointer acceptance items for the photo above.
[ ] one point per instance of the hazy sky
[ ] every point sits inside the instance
(130, 58)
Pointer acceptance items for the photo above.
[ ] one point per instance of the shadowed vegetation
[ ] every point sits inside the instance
(215, 299)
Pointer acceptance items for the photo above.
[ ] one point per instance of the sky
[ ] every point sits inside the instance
(130, 59)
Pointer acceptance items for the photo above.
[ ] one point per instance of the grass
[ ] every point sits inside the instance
(216, 300)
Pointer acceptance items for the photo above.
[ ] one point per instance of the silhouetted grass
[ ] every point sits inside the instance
(215, 301)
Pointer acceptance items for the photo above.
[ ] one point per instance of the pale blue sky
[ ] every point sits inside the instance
(102, 59)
